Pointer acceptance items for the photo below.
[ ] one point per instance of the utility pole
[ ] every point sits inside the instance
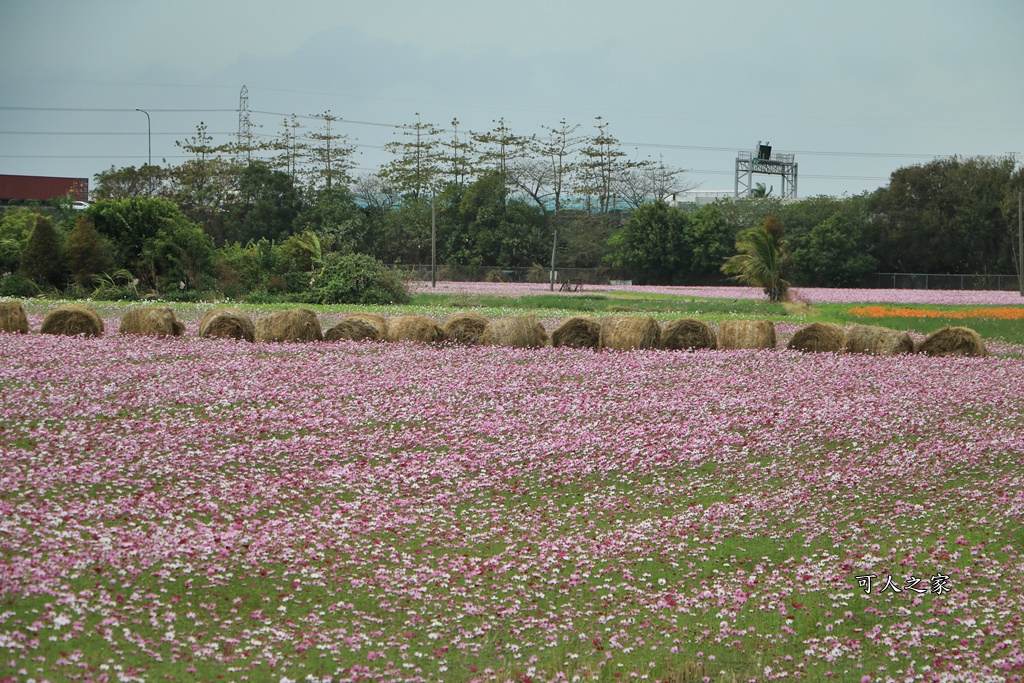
(554, 249)
(1020, 241)
(149, 135)
(433, 240)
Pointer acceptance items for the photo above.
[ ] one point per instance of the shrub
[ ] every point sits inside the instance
(17, 285)
(357, 279)
(42, 259)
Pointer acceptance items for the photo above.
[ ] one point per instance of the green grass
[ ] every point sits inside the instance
(610, 302)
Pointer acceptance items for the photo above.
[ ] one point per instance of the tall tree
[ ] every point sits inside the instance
(499, 148)
(708, 240)
(266, 207)
(415, 171)
(600, 167)
(16, 225)
(135, 226)
(330, 154)
(87, 253)
(455, 156)
(335, 218)
(42, 259)
(204, 185)
(128, 181)
(648, 180)
(947, 216)
(652, 244)
(292, 149)
(833, 255)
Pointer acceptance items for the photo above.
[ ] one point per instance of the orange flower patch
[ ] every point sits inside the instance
(1002, 313)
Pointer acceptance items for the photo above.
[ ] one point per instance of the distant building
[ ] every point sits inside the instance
(20, 188)
(697, 198)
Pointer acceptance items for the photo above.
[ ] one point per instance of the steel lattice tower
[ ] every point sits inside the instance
(244, 126)
(761, 161)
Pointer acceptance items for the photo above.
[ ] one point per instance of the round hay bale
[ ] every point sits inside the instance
(746, 334)
(877, 341)
(522, 331)
(73, 320)
(358, 327)
(465, 327)
(227, 323)
(293, 325)
(414, 328)
(621, 332)
(13, 318)
(688, 333)
(818, 338)
(953, 341)
(578, 332)
(157, 321)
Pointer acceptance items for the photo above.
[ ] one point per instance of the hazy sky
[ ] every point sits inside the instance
(854, 89)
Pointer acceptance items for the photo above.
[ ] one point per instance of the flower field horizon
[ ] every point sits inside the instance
(811, 295)
(193, 509)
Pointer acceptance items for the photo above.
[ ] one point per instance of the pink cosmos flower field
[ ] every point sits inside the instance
(199, 509)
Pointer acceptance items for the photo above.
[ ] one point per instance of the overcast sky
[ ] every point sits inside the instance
(853, 89)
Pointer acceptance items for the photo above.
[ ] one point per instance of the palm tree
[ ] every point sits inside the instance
(760, 262)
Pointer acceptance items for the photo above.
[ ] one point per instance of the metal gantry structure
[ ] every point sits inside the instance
(761, 161)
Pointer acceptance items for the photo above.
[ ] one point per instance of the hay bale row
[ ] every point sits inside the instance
(877, 341)
(13, 318)
(465, 327)
(746, 334)
(358, 327)
(157, 321)
(523, 331)
(73, 320)
(293, 325)
(953, 341)
(227, 323)
(688, 334)
(470, 328)
(622, 332)
(414, 328)
(818, 338)
(578, 332)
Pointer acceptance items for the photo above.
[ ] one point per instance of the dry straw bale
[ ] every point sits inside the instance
(878, 341)
(156, 321)
(13, 318)
(227, 323)
(688, 333)
(414, 328)
(630, 332)
(73, 320)
(358, 327)
(293, 325)
(465, 327)
(522, 331)
(578, 332)
(953, 341)
(746, 334)
(818, 338)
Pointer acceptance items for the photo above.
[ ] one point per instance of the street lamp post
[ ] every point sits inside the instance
(149, 135)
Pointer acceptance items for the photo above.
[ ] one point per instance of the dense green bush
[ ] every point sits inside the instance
(357, 279)
(17, 285)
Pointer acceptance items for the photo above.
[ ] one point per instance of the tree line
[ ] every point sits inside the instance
(240, 220)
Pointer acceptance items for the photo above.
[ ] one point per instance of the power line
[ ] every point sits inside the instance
(90, 133)
(378, 124)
